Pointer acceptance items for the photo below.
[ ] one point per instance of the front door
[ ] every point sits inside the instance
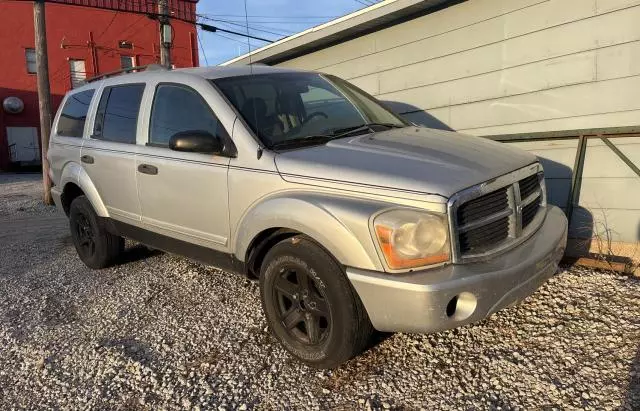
(183, 195)
(108, 156)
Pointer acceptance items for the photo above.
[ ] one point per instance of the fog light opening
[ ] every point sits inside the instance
(451, 307)
(461, 306)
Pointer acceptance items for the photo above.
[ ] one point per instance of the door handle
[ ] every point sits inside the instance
(148, 169)
(87, 159)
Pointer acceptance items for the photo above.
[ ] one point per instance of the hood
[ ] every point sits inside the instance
(413, 159)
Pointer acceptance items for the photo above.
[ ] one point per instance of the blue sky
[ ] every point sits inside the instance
(271, 19)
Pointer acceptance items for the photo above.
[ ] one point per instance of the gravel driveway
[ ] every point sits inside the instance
(162, 332)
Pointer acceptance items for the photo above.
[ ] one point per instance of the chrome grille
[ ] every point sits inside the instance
(484, 238)
(496, 215)
(529, 212)
(482, 207)
(476, 233)
(528, 186)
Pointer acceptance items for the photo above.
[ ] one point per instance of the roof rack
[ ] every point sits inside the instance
(148, 67)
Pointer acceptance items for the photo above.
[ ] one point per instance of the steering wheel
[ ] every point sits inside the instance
(312, 115)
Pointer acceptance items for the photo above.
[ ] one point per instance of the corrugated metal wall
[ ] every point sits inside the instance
(503, 66)
(497, 67)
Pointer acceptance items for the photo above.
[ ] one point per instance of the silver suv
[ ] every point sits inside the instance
(351, 218)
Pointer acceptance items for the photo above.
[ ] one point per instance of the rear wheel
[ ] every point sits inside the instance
(96, 247)
(310, 304)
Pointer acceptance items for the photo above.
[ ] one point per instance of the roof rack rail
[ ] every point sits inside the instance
(148, 67)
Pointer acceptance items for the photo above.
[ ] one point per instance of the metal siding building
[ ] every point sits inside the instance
(559, 78)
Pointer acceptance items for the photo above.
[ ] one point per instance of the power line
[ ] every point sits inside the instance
(238, 24)
(202, 49)
(257, 27)
(269, 30)
(362, 2)
(230, 38)
(278, 17)
(213, 29)
(108, 25)
(281, 22)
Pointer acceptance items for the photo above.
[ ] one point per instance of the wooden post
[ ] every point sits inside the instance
(94, 55)
(163, 18)
(44, 92)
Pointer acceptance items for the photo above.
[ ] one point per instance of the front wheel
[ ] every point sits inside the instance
(310, 305)
(96, 247)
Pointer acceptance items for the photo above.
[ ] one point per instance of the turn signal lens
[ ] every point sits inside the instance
(410, 238)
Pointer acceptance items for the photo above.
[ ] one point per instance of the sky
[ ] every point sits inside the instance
(270, 19)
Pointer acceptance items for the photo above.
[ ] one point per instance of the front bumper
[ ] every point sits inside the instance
(455, 295)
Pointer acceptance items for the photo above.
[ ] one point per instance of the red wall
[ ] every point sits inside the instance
(69, 29)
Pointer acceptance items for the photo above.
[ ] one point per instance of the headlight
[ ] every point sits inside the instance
(410, 238)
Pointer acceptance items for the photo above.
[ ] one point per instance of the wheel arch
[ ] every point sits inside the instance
(75, 181)
(319, 218)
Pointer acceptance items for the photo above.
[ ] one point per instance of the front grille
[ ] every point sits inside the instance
(528, 186)
(529, 212)
(483, 206)
(483, 238)
(493, 221)
(488, 235)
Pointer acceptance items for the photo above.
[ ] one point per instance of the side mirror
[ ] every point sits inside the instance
(196, 141)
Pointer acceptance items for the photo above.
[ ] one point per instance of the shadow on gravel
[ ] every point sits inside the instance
(137, 253)
(130, 348)
(378, 338)
(632, 401)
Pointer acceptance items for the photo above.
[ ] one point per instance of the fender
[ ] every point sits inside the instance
(339, 224)
(74, 173)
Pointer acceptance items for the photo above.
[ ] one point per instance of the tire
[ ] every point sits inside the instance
(96, 247)
(310, 305)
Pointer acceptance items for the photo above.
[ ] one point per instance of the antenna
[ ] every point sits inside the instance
(255, 114)
(246, 18)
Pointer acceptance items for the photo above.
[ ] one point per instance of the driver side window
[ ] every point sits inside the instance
(330, 105)
(178, 108)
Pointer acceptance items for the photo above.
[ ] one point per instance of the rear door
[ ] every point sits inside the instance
(183, 195)
(108, 156)
(69, 130)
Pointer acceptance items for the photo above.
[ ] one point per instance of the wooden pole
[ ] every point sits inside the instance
(165, 53)
(44, 92)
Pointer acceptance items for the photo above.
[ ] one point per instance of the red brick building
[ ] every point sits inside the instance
(83, 41)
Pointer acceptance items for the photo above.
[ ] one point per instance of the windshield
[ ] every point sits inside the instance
(296, 109)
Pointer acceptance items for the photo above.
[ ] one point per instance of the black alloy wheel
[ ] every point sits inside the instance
(310, 305)
(96, 246)
(85, 235)
(303, 308)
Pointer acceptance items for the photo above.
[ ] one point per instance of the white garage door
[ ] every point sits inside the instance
(23, 144)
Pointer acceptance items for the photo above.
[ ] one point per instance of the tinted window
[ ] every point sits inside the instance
(177, 108)
(74, 114)
(117, 115)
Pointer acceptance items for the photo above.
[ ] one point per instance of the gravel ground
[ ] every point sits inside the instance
(161, 332)
(20, 195)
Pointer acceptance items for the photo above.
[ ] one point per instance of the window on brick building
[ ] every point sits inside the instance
(30, 55)
(127, 62)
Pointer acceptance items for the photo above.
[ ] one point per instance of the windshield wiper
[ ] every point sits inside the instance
(343, 132)
(302, 141)
(315, 139)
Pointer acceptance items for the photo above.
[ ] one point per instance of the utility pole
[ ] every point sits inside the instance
(165, 33)
(44, 92)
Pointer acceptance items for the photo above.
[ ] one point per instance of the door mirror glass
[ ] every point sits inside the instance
(196, 141)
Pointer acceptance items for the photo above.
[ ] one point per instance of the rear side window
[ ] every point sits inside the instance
(178, 108)
(74, 114)
(117, 116)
